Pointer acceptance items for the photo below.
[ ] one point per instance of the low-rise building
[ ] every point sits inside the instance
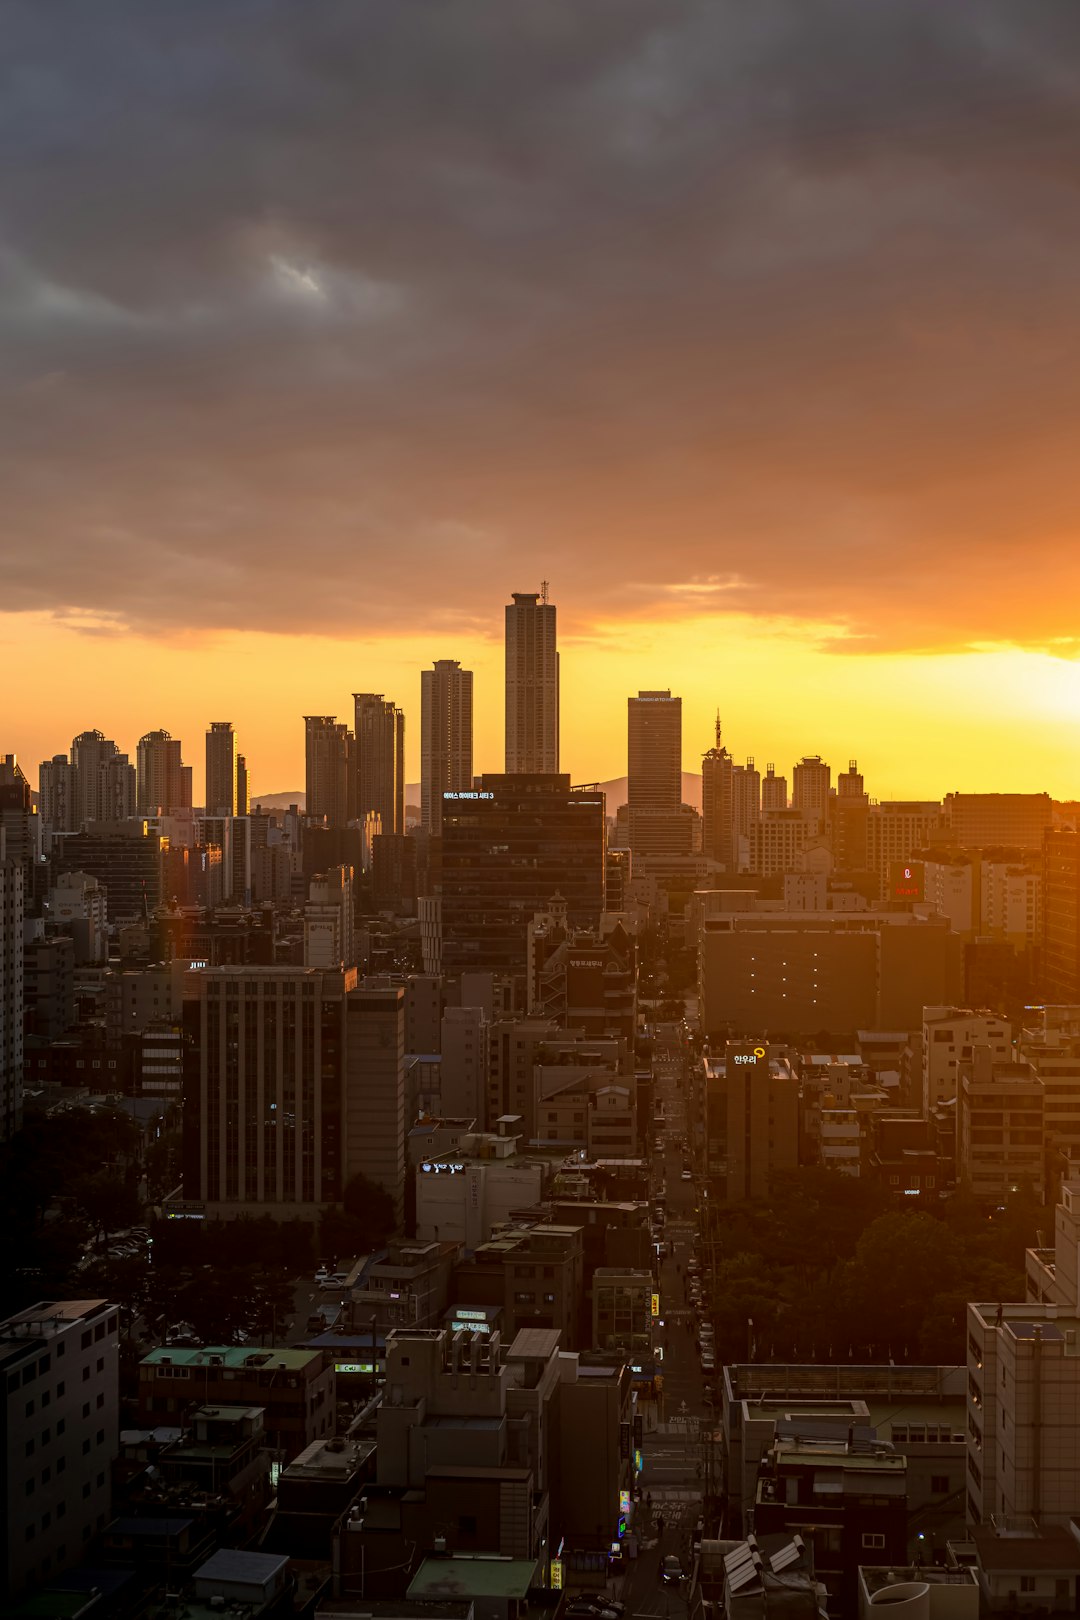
(1000, 1145)
(296, 1388)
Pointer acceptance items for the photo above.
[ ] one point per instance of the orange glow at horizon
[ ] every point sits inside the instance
(920, 725)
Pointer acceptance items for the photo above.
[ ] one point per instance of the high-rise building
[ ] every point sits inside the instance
(11, 991)
(532, 685)
(657, 824)
(263, 1086)
(507, 850)
(374, 1139)
(125, 857)
(61, 1426)
(243, 790)
(21, 827)
(751, 1119)
(104, 780)
(328, 920)
(56, 794)
(811, 784)
(717, 804)
(446, 737)
(163, 780)
(220, 769)
(380, 761)
(773, 790)
(1001, 820)
(330, 770)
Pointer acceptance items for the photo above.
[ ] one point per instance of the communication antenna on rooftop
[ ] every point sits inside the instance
(543, 590)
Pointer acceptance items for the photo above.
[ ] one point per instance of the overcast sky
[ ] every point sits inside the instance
(346, 318)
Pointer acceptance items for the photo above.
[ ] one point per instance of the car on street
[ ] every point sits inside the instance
(688, 1175)
(671, 1571)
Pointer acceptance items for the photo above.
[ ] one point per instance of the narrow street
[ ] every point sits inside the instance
(672, 1472)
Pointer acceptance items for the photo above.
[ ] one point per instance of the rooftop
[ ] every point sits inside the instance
(1052, 1548)
(244, 1356)
(461, 1577)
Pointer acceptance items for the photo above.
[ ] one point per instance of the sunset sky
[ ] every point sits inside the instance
(752, 327)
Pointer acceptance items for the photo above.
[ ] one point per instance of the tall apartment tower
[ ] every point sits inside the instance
(163, 780)
(446, 737)
(11, 991)
(532, 685)
(330, 770)
(56, 794)
(773, 790)
(221, 769)
(380, 761)
(654, 776)
(243, 789)
(811, 784)
(1061, 915)
(104, 780)
(717, 804)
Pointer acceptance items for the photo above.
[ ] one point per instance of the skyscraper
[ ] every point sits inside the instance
(773, 790)
(330, 770)
(380, 761)
(717, 804)
(654, 776)
(220, 769)
(532, 685)
(446, 737)
(163, 781)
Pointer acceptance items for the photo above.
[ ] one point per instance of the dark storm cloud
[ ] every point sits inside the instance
(330, 315)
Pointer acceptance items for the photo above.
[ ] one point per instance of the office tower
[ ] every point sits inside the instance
(1002, 820)
(654, 777)
(263, 1086)
(394, 872)
(380, 761)
(718, 804)
(125, 857)
(773, 790)
(811, 783)
(243, 790)
(220, 769)
(330, 770)
(11, 991)
(446, 737)
(374, 1137)
(532, 685)
(506, 853)
(61, 1418)
(164, 783)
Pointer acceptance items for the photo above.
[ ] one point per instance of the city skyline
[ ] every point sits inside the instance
(776, 388)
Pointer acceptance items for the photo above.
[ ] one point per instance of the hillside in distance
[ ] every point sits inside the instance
(615, 789)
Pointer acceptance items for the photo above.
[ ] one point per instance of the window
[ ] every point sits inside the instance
(101, 1437)
(86, 1375)
(86, 1492)
(86, 1339)
(61, 1425)
(29, 1448)
(1027, 1583)
(86, 1409)
(61, 1509)
(873, 1538)
(61, 1465)
(28, 1488)
(86, 1448)
(100, 1402)
(60, 1389)
(101, 1364)
(939, 1484)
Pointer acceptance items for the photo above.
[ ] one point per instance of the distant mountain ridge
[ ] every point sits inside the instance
(615, 789)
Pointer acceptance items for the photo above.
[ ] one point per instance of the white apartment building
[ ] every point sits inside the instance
(1011, 902)
(1023, 1446)
(61, 1419)
(949, 1035)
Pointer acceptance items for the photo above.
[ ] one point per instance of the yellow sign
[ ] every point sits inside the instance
(556, 1574)
(656, 1305)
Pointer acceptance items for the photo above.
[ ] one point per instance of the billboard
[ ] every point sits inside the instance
(907, 880)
